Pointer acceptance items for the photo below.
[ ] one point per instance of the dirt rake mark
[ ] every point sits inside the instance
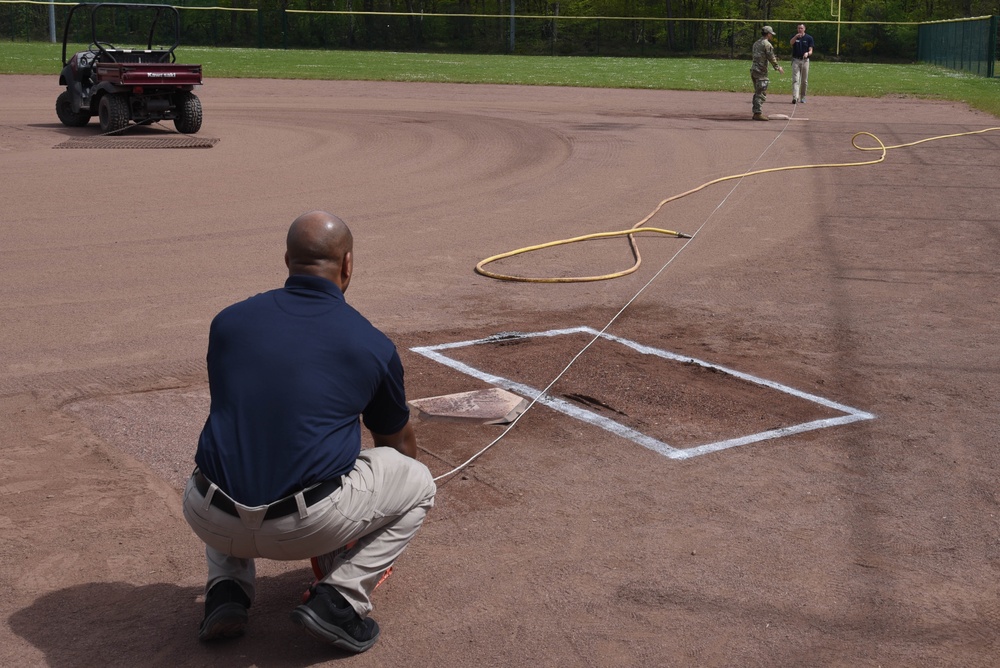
(588, 400)
(139, 142)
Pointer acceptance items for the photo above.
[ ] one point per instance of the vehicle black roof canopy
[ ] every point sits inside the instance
(140, 25)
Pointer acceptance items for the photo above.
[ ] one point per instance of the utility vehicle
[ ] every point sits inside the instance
(122, 85)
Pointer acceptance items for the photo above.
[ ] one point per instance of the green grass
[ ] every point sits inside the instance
(828, 78)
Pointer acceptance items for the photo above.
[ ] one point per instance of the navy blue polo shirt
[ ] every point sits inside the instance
(801, 47)
(290, 371)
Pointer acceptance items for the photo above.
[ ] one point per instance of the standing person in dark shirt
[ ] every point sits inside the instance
(802, 51)
(293, 373)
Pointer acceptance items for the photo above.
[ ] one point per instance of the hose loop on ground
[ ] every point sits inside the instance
(640, 226)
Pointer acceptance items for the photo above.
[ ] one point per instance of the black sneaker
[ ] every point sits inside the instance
(226, 615)
(327, 616)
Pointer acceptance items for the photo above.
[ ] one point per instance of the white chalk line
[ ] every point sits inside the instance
(850, 414)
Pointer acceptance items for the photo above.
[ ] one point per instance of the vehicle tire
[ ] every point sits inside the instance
(64, 110)
(188, 119)
(113, 112)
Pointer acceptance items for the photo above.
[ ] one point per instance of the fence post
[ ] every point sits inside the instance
(991, 48)
(555, 29)
(511, 47)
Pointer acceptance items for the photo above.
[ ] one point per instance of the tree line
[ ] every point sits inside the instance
(869, 29)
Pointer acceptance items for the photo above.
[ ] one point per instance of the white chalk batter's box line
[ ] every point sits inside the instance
(850, 414)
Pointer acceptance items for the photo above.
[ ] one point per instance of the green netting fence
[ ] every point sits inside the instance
(969, 45)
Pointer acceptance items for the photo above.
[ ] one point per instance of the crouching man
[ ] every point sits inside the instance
(280, 473)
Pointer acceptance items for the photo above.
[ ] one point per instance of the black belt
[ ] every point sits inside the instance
(281, 508)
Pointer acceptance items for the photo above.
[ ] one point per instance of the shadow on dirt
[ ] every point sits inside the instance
(119, 624)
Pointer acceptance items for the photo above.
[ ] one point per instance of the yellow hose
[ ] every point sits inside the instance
(640, 226)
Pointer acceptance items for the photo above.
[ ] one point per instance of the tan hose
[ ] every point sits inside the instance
(640, 226)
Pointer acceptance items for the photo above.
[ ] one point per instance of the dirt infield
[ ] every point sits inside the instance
(572, 542)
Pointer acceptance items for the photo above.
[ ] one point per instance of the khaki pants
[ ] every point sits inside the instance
(381, 504)
(800, 78)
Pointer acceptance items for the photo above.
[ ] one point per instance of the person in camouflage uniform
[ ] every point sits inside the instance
(763, 53)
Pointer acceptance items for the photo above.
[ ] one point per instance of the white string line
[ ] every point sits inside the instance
(597, 336)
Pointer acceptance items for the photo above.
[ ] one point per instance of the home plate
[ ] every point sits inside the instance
(785, 117)
(489, 406)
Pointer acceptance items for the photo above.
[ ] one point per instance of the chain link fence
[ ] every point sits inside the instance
(298, 24)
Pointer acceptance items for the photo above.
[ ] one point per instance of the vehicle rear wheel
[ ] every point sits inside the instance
(113, 112)
(188, 119)
(64, 110)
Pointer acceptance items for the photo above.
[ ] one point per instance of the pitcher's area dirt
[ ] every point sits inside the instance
(873, 289)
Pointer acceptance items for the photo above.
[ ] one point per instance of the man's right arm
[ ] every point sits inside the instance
(388, 409)
(404, 440)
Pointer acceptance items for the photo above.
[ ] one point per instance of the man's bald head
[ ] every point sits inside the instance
(320, 244)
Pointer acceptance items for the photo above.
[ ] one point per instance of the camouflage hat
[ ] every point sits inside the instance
(767, 29)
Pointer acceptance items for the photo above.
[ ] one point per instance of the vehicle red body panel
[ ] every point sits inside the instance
(148, 74)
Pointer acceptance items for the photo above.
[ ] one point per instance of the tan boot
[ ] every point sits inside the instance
(760, 117)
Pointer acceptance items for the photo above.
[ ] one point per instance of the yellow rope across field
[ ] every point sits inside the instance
(640, 228)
